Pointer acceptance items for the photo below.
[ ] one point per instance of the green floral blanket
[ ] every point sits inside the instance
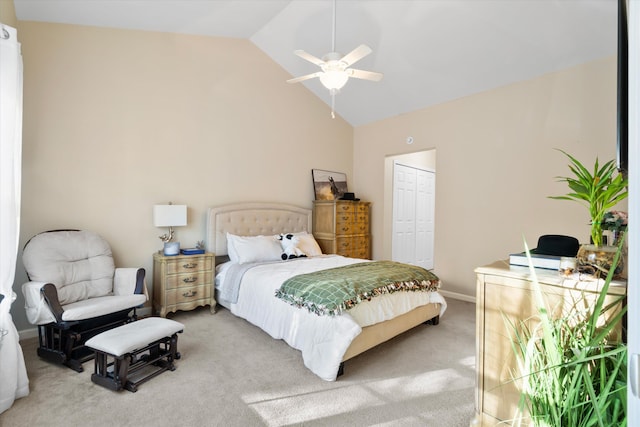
(329, 292)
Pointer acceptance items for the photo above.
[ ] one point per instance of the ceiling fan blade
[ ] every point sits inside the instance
(307, 56)
(356, 54)
(306, 77)
(365, 75)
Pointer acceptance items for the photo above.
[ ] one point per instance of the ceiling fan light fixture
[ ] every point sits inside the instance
(335, 72)
(334, 79)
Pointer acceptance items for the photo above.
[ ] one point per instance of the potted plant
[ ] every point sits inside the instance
(599, 190)
(572, 366)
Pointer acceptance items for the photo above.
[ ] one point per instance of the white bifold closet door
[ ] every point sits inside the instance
(413, 215)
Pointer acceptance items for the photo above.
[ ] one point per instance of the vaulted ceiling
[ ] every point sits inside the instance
(430, 51)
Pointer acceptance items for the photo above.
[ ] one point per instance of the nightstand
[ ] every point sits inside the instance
(182, 282)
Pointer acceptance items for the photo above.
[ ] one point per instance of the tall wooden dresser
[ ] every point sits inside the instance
(342, 227)
(505, 291)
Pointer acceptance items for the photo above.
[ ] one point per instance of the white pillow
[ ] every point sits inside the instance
(221, 272)
(308, 244)
(245, 249)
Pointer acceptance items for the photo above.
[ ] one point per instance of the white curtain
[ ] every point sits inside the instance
(13, 374)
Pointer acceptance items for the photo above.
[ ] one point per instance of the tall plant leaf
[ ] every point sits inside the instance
(572, 372)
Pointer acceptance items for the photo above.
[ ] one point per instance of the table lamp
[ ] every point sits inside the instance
(170, 216)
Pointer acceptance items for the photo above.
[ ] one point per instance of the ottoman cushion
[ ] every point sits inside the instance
(134, 335)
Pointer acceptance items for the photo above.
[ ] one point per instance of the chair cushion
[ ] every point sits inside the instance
(78, 263)
(95, 307)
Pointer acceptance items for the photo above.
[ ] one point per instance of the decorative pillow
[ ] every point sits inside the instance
(289, 243)
(308, 244)
(245, 249)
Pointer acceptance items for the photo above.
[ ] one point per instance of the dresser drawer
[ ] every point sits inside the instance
(361, 218)
(360, 252)
(362, 208)
(344, 244)
(342, 206)
(361, 241)
(345, 218)
(360, 228)
(185, 295)
(345, 228)
(183, 265)
(188, 279)
(354, 246)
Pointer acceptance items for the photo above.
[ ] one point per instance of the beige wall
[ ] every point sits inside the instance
(116, 121)
(8, 13)
(496, 164)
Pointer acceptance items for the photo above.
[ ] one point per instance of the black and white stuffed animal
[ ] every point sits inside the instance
(290, 247)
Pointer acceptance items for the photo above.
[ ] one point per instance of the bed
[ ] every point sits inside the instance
(326, 342)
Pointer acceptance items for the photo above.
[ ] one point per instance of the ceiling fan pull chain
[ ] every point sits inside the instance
(333, 104)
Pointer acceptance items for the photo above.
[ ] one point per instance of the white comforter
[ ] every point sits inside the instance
(322, 340)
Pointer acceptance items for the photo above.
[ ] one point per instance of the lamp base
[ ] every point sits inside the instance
(171, 248)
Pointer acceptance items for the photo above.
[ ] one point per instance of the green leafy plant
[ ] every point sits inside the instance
(600, 191)
(572, 369)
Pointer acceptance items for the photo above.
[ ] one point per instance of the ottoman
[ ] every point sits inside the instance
(139, 351)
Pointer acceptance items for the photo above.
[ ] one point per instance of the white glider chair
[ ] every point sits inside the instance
(75, 292)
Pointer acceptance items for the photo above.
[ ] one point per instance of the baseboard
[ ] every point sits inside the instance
(455, 295)
(26, 334)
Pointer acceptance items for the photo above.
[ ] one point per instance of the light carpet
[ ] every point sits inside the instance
(233, 374)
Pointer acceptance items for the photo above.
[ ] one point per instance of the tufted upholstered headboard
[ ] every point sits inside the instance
(253, 219)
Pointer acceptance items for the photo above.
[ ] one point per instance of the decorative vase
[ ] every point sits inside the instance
(597, 260)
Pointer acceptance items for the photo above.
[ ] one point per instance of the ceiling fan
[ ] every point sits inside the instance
(335, 68)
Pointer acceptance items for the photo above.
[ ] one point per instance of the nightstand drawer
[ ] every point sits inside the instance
(186, 265)
(184, 295)
(189, 279)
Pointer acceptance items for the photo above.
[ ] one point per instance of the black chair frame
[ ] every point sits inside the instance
(63, 342)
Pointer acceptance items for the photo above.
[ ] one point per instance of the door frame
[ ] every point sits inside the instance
(423, 159)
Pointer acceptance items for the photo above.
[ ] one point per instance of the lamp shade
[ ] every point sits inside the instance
(169, 215)
(334, 79)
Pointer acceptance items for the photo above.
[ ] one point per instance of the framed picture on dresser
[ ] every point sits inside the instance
(328, 185)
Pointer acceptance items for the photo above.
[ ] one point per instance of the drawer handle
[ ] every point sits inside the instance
(189, 279)
(190, 265)
(190, 294)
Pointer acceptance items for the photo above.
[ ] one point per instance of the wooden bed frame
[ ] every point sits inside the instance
(253, 219)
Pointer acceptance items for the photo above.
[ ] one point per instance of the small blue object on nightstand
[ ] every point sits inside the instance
(191, 251)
